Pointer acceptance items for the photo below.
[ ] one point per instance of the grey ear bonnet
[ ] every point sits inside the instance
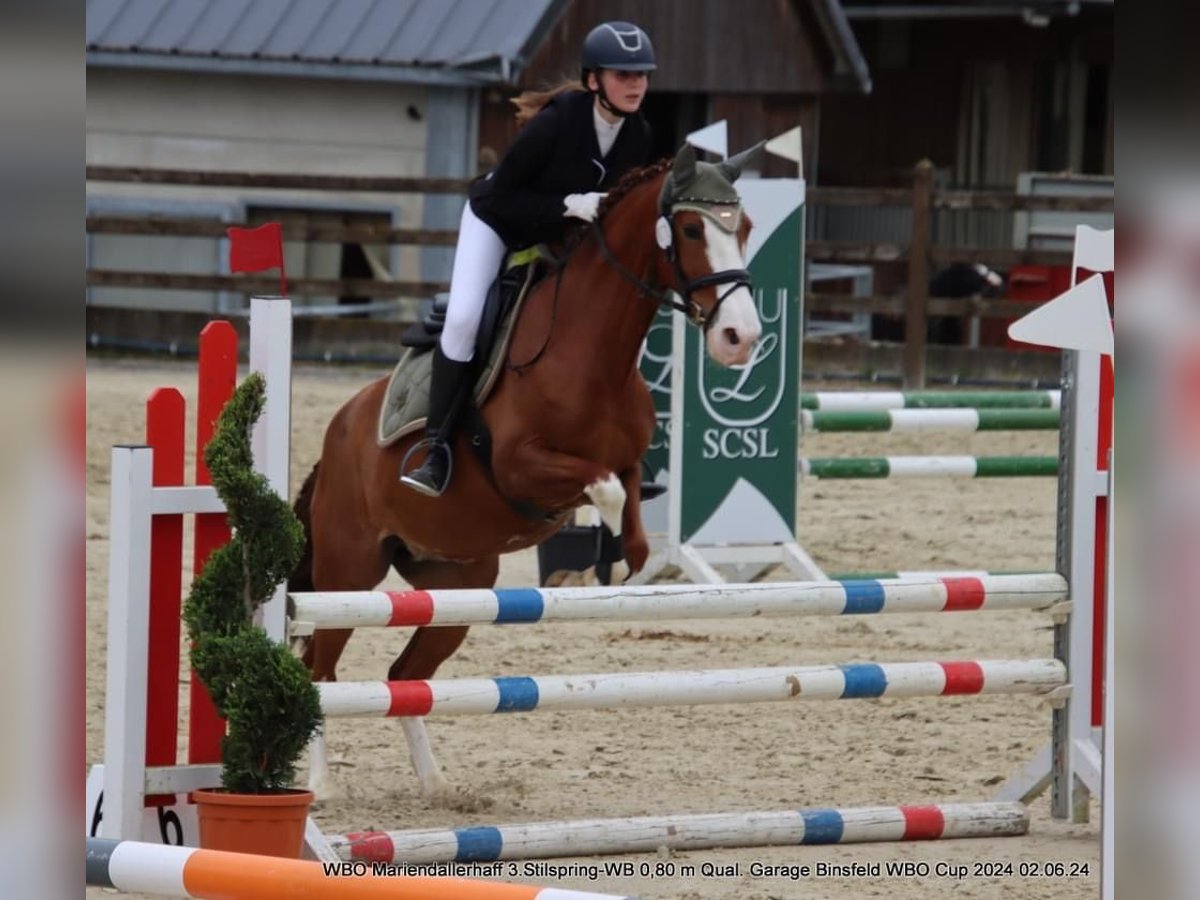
(700, 186)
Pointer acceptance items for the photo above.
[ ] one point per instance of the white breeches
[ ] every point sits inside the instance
(476, 262)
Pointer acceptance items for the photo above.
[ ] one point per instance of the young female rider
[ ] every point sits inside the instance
(556, 171)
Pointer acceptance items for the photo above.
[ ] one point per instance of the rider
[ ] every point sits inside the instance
(558, 168)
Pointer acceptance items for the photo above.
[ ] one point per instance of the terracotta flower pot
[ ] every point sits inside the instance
(266, 824)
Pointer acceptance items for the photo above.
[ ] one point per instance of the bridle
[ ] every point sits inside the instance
(665, 232)
(726, 214)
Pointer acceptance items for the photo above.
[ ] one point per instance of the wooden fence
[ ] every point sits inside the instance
(920, 253)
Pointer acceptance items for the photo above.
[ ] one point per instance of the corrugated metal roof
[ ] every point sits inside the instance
(476, 39)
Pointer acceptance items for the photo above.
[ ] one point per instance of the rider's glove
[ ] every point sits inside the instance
(582, 206)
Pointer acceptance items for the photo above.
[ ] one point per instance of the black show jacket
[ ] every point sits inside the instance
(556, 153)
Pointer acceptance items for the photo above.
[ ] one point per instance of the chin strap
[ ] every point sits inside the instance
(612, 109)
(604, 101)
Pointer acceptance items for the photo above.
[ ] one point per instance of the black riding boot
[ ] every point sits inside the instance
(447, 389)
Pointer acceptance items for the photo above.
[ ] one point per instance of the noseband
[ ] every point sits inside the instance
(685, 286)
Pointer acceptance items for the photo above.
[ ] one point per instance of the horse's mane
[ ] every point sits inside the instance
(615, 195)
(629, 181)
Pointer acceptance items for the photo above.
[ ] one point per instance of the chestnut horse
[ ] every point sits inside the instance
(570, 419)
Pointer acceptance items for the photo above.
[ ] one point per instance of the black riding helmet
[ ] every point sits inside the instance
(616, 45)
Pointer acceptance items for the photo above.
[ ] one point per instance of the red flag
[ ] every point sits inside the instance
(255, 249)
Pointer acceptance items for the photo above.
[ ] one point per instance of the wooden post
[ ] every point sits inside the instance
(918, 276)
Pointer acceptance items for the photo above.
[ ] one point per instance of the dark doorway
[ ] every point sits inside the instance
(1096, 110)
(672, 117)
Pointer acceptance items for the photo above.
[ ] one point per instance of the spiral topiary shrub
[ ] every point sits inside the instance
(261, 689)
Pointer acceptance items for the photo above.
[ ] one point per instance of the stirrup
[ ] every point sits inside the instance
(422, 487)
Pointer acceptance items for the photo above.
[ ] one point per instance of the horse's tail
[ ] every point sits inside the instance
(301, 578)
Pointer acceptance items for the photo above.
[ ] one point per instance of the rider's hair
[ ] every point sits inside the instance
(530, 103)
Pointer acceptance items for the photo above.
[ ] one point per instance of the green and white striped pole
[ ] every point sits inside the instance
(931, 466)
(962, 420)
(868, 401)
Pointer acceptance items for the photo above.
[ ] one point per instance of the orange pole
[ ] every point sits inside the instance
(216, 875)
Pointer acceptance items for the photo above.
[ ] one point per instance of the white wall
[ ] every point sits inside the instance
(272, 125)
(184, 120)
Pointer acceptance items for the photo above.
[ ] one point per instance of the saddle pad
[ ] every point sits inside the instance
(406, 400)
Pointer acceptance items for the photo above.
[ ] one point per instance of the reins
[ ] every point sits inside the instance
(561, 267)
(684, 286)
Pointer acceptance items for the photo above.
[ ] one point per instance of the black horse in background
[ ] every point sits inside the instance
(958, 281)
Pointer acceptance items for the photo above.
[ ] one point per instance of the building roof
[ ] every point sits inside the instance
(460, 42)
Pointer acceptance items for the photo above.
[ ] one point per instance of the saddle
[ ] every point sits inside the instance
(406, 401)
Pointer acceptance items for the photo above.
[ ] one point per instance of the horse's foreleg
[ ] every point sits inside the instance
(428, 649)
(609, 497)
(633, 535)
(320, 783)
(432, 782)
(321, 656)
(342, 560)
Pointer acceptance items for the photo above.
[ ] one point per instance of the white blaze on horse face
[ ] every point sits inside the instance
(731, 337)
(608, 496)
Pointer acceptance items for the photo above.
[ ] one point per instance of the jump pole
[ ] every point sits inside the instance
(646, 834)
(167, 871)
(485, 696)
(878, 401)
(909, 420)
(653, 603)
(930, 467)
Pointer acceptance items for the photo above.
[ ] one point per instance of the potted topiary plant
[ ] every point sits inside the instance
(264, 692)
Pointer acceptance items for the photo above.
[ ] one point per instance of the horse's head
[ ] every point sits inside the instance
(703, 230)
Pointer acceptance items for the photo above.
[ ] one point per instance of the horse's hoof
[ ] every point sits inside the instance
(620, 572)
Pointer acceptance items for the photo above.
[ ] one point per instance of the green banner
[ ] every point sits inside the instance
(732, 477)
(737, 459)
